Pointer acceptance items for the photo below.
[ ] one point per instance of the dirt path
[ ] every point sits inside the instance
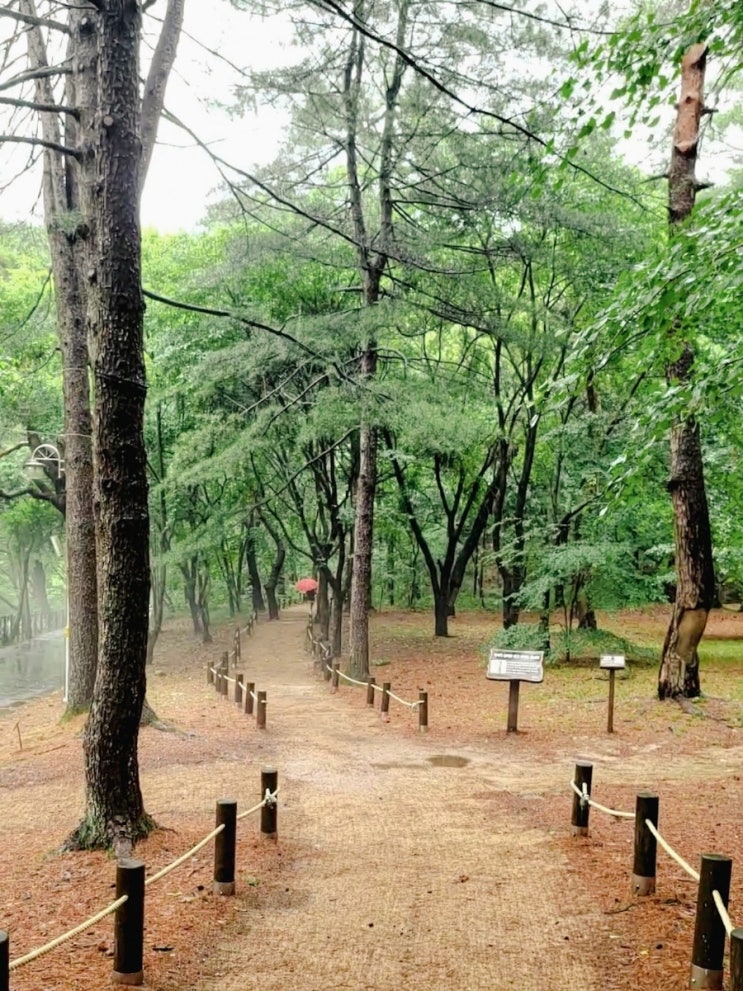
(394, 872)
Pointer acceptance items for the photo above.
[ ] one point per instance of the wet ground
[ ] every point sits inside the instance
(31, 669)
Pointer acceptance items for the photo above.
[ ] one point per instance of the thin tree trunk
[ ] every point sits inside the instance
(695, 581)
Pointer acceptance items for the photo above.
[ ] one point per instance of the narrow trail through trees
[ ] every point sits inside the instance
(394, 871)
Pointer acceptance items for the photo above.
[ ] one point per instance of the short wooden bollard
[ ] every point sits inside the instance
(224, 848)
(646, 846)
(581, 808)
(4, 961)
(709, 930)
(736, 960)
(422, 711)
(129, 923)
(249, 697)
(209, 673)
(239, 690)
(385, 705)
(225, 661)
(370, 683)
(270, 811)
(260, 710)
(335, 677)
(238, 649)
(327, 668)
(225, 684)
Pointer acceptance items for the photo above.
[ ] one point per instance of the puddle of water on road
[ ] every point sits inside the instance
(448, 760)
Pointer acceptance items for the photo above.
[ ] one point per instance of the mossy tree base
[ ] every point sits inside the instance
(116, 836)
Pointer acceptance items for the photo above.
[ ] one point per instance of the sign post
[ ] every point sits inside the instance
(515, 666)
(612, 663)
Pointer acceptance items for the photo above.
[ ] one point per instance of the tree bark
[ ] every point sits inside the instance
(114, 814)
(362, 549)
(253, 573)
(695, 581)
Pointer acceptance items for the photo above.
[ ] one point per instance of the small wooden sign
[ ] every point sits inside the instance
(612, 661)
(516, 665)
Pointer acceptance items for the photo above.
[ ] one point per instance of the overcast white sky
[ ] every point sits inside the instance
(182, 181)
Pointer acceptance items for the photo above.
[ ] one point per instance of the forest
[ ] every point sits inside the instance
(453, 348)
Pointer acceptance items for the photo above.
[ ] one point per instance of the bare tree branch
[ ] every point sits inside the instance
(49, 108)
(42, 22)
(41, 143)
(24, 77)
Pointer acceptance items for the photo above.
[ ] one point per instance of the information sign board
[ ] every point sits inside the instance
(612, 661)
(516, 665)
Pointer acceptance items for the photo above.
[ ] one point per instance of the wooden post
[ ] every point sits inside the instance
(385, 706)
(129, 923)
(249, 697)
(225, 660)
(239, 690)
(610, 714)
(327, 669)
(269, 812)
(646, 847)
(583, 776)
(4, 961)
(225, 684)
(709, 931)
(423, 711)
(370, 683)
(736, 960)
(260, 710)
(238, 649)
(336, 677)
(224, 848)
(209, 673)
(513, 706)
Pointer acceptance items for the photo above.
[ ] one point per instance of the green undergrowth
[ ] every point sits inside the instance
(572, 646)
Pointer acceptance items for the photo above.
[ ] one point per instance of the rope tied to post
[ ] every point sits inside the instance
(268, 799)
(585, 799)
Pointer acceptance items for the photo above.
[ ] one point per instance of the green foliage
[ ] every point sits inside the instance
(572, 646)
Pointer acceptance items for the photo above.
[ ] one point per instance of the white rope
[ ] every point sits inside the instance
(54, 943)
(586, 799)
(729, 927)
(228, 680)
(182, 859)
(253, 696)
(671, 852)
(353, 681)
(268, 799)
(410, 705)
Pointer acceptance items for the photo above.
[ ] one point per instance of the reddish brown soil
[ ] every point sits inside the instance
(391, 870)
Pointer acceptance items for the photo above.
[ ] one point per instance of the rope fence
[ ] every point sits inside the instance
(712, 923)
(245, 696)
(329, 668)
(131, 883)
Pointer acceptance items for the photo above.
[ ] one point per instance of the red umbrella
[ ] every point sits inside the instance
(306, 585)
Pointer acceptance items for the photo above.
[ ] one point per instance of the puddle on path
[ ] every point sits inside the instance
(448, 760)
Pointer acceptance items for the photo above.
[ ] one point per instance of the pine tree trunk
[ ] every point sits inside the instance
(114, 809)
(695, 580)
(362, 554)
